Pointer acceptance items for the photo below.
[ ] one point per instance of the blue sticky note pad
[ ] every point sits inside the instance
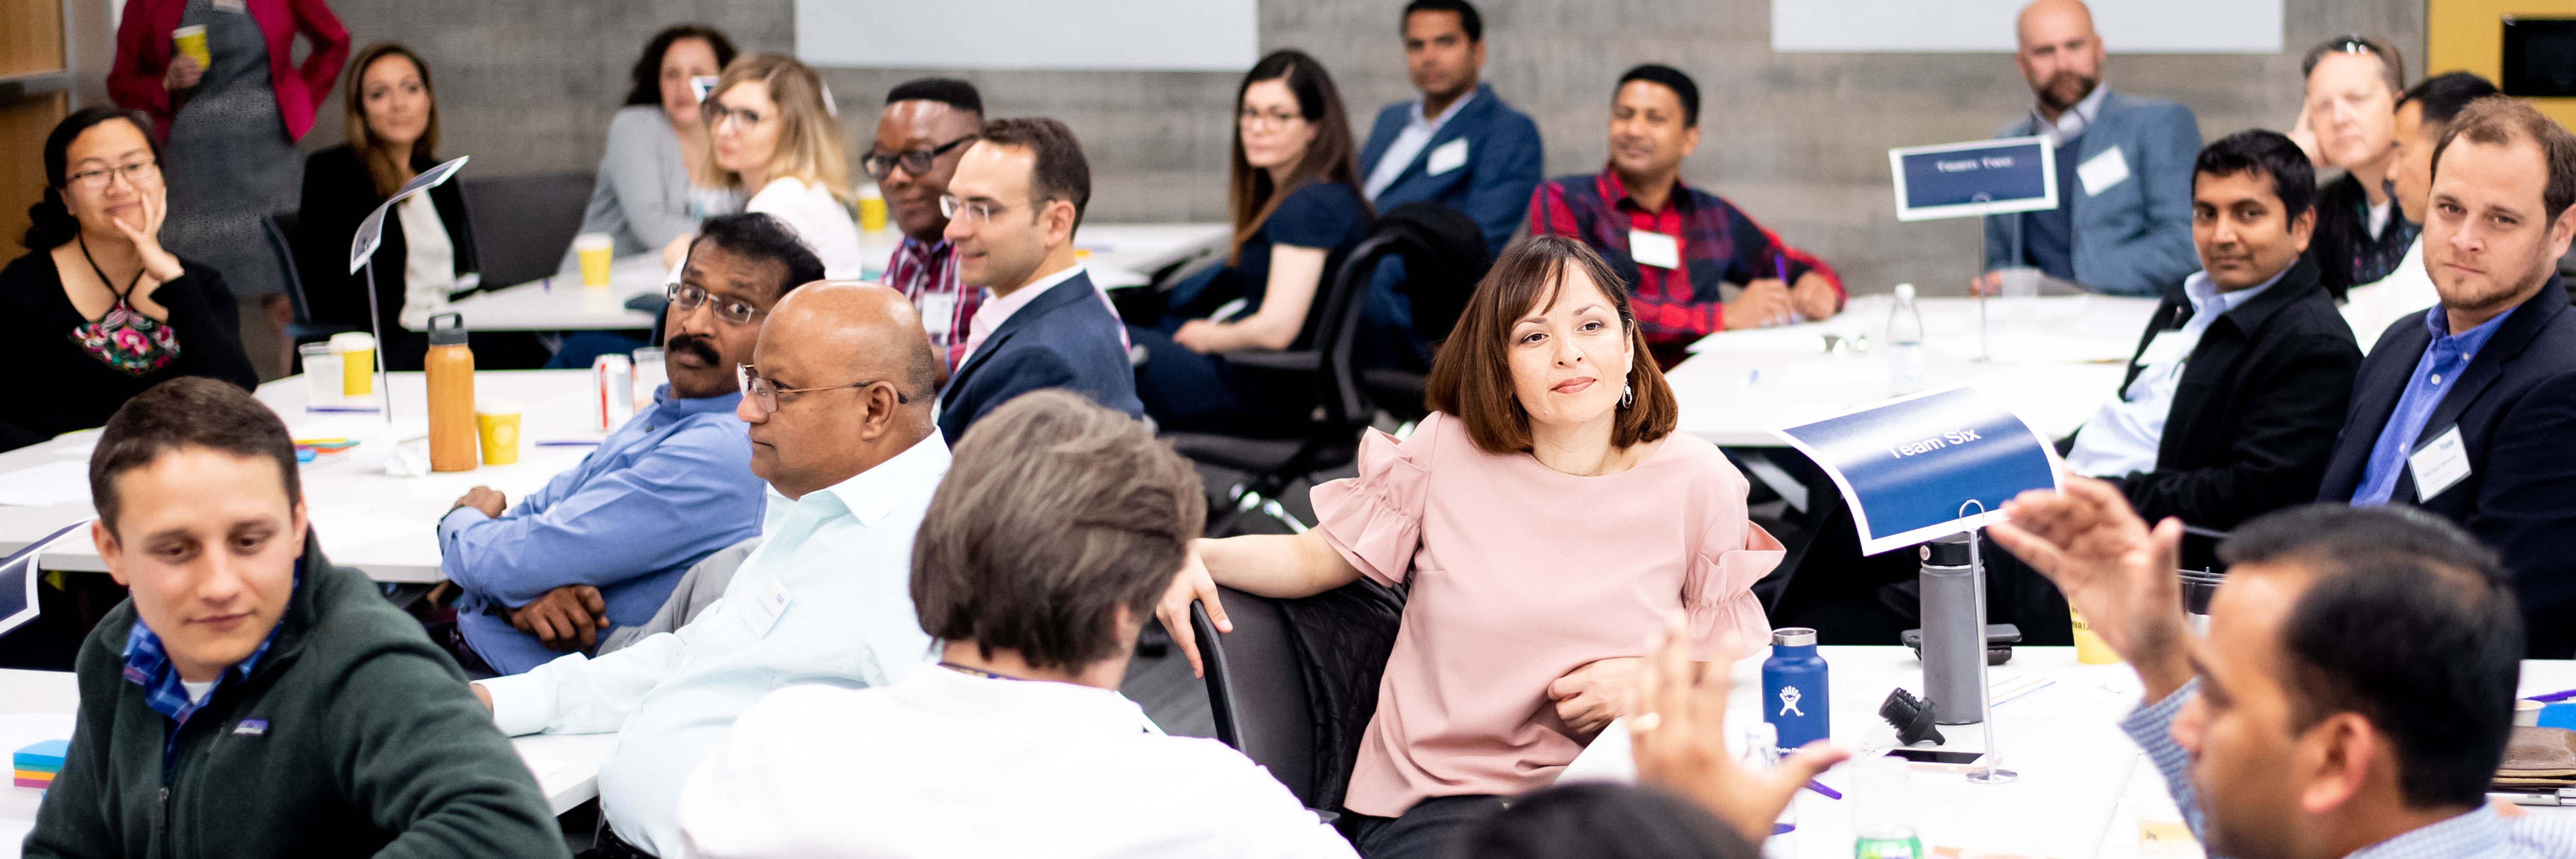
(47, 753)
(2559, 716)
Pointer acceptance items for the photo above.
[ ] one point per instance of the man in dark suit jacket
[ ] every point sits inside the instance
(1012, 207)
(2468, 410)
(2231, 404)
(1458, 144)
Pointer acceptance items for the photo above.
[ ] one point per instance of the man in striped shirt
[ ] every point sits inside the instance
(1695, 263)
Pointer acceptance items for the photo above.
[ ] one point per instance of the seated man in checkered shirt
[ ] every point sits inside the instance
(2353, 694)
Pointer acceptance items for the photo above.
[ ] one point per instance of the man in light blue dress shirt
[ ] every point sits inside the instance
(2352, 697)
(602, 545)
(839, 402)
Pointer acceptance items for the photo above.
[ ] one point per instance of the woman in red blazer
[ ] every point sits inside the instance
(231, 119)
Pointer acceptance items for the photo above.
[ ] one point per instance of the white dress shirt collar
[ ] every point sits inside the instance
(2071, 123)
(996, 310)
(871, 494)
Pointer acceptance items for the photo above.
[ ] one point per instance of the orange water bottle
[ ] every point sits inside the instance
(450, 366)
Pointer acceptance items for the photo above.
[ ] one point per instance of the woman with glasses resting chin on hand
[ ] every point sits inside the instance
(1547, 517)
(98, 311)
(772, 139)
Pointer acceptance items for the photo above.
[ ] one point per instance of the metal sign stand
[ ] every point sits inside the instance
(1994, 772)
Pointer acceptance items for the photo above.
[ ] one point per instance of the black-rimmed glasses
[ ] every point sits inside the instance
(688, 297)
(134, 174)
(764, 392)
(914, 161)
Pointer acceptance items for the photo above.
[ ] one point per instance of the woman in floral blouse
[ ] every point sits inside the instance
(98, 311)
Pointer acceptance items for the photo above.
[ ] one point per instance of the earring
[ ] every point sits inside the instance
(1627, 395)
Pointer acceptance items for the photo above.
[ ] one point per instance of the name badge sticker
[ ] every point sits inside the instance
(768, 600)
(1655, 249)
(2441, 464)
(1450, 156)
(2103, 172)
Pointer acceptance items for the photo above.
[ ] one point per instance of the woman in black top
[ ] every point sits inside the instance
(393, 126)
(98, 312)
(1297, 212)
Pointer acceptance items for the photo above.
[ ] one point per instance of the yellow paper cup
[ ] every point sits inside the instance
(872, 208)
(2089, 647)
(357, 350)
(596, 251)
(191, 40)
(496, 425)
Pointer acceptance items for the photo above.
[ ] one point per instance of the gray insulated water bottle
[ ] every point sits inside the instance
(1953, 640)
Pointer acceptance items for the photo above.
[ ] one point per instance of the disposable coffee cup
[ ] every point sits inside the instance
(496, 427)
(322, 377)
(191, 41)
(357, 350)
(872, 208)
(2526, 712)
(596, 251)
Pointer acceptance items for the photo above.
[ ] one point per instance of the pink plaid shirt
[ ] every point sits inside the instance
(927, 274)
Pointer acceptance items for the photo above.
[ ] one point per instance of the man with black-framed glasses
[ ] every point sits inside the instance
(1012, 209)
(603, 545)
(840, 428)
(925, 128)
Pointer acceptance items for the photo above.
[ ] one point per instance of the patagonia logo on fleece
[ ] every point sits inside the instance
(251, 728)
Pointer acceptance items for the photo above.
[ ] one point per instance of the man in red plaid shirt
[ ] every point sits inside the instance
(1682, 250)
(927, 123)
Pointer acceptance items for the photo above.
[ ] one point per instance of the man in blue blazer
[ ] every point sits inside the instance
(2123, 219)
(1012, 207)
(1459, 143)
(2468, 410)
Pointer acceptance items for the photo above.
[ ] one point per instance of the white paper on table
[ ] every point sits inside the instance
(80, 449)
(342, 530)
(46, 485)
(544, 769)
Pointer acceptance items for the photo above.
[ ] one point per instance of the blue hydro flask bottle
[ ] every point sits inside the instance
(1793, 688)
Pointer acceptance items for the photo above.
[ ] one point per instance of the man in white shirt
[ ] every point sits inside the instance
(2423, 113)
(838, 399)
(2242, 376)
(1018, 743)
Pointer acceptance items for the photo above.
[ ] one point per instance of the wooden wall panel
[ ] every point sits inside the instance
(23, 126)
(33, 40)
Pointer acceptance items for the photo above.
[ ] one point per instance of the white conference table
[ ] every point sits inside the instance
(384, 525)
(2053, 360)
(38, 705)
(1117, 255)
(2083, 783)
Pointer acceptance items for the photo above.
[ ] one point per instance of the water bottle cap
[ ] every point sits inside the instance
(1905, 292)
(1793, 636)
(451, 333)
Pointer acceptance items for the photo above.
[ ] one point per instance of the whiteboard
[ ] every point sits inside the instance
(1986, 26)
(1147, 35)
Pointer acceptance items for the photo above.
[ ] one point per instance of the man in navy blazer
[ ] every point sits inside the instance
(1459, 143)
(1012, 207)
(2468, 410)
(2123, 219)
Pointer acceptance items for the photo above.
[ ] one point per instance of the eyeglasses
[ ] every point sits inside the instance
(974, 211)
(687, 297)
(134, 174)
(1276, 119)
(765, 392)
(914, 161)
(717, 115)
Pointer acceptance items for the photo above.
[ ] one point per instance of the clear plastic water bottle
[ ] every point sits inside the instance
(1883, 811)
(1905, 359)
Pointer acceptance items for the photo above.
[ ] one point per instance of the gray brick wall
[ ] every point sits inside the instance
(1798, 140)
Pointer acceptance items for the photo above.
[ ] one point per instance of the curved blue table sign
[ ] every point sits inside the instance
(18, 574)
(1908, 465)
(1985, 177)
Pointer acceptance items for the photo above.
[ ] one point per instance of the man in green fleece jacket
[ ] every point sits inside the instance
(250, 699)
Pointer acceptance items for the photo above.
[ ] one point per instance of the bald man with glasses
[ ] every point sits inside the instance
(603, 545)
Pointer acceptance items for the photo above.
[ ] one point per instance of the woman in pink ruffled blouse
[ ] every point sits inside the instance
(1548, 520)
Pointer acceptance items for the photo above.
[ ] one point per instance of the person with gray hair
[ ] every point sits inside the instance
(1056, 530)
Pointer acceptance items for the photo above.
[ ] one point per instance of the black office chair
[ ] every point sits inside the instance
(1257, 690)
(1332, 439)
(1444, 258)
(278, 227)
(523, 224)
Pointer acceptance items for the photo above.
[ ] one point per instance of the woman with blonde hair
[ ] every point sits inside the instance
(773, 139)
